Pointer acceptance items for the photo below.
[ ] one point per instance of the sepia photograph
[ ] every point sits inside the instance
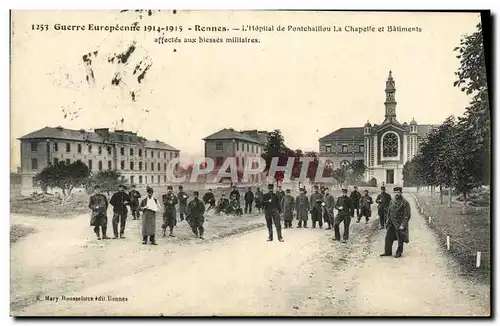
(182, 163)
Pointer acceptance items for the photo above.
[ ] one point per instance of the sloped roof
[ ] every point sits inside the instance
(94, 137)
(349, 132)
(225, 134)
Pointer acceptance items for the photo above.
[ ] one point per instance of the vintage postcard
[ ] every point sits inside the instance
(250, 163)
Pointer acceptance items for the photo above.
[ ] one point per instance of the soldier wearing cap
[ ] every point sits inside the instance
(302, 208)
(119, 201)
(183, 199)
(288, 208)
(398, 217)
(194, 215)
(149, 207)
(329, 205)
(345, 212)
(169, 215)
(383, 200)
(98, 203)
(355, 198)
(316, 208)
(272, 209)
(134, 202)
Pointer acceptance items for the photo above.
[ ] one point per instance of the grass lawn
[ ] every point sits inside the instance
(468, 233)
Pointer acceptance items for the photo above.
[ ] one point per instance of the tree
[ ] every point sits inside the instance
(358, 170)
(275, 147)
(108, 180)
(64, 176)
(413, 172)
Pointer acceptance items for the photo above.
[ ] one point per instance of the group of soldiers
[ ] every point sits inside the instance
(393, 214)
(192, 211)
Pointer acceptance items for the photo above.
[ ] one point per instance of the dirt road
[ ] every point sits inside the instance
(308, 274)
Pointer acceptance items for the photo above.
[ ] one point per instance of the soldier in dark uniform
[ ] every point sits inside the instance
(365, 203)
(383, 200)
(398, 216)
(183, 200)
(258, 199)
(119, 201)
(355, 197)
(236, 193)
(302, 208)
(194, 215)
(98, 203)
(209, 198)
(169, 215)
(222, 205)
(272, 208)
(345, 212)
(134, 202)
(329, 205)
(288, 207)
(316, 208)
(249, 197)
(281, 195)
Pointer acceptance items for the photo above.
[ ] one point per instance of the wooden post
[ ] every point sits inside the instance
(478, 259)
(448, 242)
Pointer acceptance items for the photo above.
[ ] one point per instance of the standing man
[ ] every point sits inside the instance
(316, 209)
(366, 210)
(119, 201)
(272, 209)
(288, 207)
(345, 211)
(169, 215)
(398, 216)
(98, 203)
(134, 202)
(329, 202)
(194, 216)
(302, 207)
(383, 200)
(258, 199)
(149, 207)
(281, 195)
(236, 193)
(355, 198)
(249, 197)
(183, 199)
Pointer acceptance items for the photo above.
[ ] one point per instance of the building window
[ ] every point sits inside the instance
(218, 147)
(140, 166)
(131, 152)
(237, 145)
(140, 179)
(109, 150)
(56, 147)
(99, 150)
(34, 164)
(158, 179)
(152, 154)
(90, 148)
(170, 155)
(132, 179)
(132, 166)
(68, 147)
(251, 148)
(90, 165)
(248, 147)
(110, 164)
(56, 160)
(345, 149)
(152, 179)
(140, 152)
(34, 146)
(122, 165)
(329, 164)
(165, 166)
(328, 148)
(159, 156)
(165, 155)
(121, 137)
(159, 166)
(390, 145)
(79, 148)
(152, 166)
(243, 161)
(146, 153)
(165, 179)
(122, 151)
(176, 154)
(361, 148)
(99, 165)
(68, 161)
(219, 161)
(237, 161)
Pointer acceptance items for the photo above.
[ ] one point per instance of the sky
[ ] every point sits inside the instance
(307, 84)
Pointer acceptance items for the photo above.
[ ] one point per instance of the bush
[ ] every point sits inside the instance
(372, 182)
